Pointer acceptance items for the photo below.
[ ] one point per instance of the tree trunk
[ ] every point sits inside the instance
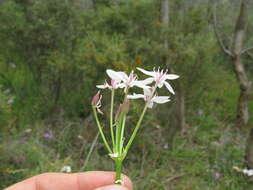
(86, 4)
(249, 150)
(242, 116)
(165, 11)
(180, 112)
(237, 48)
(57, 89)
(179, 117)
(241, 76)
(245, 85)
(1, 1)
(116, 3)
(165, 22)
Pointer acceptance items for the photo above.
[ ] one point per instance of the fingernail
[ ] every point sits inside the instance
(112, 187)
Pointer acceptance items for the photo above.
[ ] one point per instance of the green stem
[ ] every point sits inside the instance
(118, 132)
(120, 123)
(122, 127)
(122, 134)
(135, 130)
(101, 131)
(118, 167)
(111, 119)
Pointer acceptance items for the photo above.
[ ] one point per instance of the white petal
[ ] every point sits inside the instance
(161, 99)
(150, 73)
(147, 80)
(140, 84)
(114, 75)
(169, 87)
(99, 111)
(103, 86)
(250, 173)
(135, 96)
(171, 76)
(123, 75)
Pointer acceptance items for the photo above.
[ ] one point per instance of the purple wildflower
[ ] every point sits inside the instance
(200, 112)
(48, 136)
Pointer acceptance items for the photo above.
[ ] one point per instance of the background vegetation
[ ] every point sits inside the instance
(54, 52)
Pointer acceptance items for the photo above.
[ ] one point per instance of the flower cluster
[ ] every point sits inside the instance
(122, 80)
(248, 172)
(119, 145)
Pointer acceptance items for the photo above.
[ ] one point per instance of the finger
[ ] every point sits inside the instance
(94, 179)
(77, 181)
(28, 184)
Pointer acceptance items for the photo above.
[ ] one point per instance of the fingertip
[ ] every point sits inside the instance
(95, 179)
(127, 181)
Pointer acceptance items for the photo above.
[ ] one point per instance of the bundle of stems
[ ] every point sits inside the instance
(118, 149)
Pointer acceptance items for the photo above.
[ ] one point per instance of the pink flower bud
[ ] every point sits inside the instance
(96, 99)
(96, 102)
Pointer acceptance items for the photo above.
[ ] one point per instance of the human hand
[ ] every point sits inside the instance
(93, 180)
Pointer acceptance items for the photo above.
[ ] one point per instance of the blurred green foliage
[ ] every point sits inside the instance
(54, 52)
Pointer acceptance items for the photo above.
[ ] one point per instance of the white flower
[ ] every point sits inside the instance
(160, 77)
(116, 78)
(80, 137)
(165, 146)
(7, 91)
(13, 65)
(66, 169)
(28, 130)
(131, 81)
(248, 172)
(10, 101)
(113, 85)
(122, 80)
(150, 98)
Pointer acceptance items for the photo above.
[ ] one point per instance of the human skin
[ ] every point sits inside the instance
(93, 180)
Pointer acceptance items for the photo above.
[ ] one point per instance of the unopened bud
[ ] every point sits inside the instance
(123, 109)
(96, 102)
(126, 106)
(96, 99)
(118, 112)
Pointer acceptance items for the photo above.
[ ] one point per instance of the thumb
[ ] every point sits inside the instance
(112, 187)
